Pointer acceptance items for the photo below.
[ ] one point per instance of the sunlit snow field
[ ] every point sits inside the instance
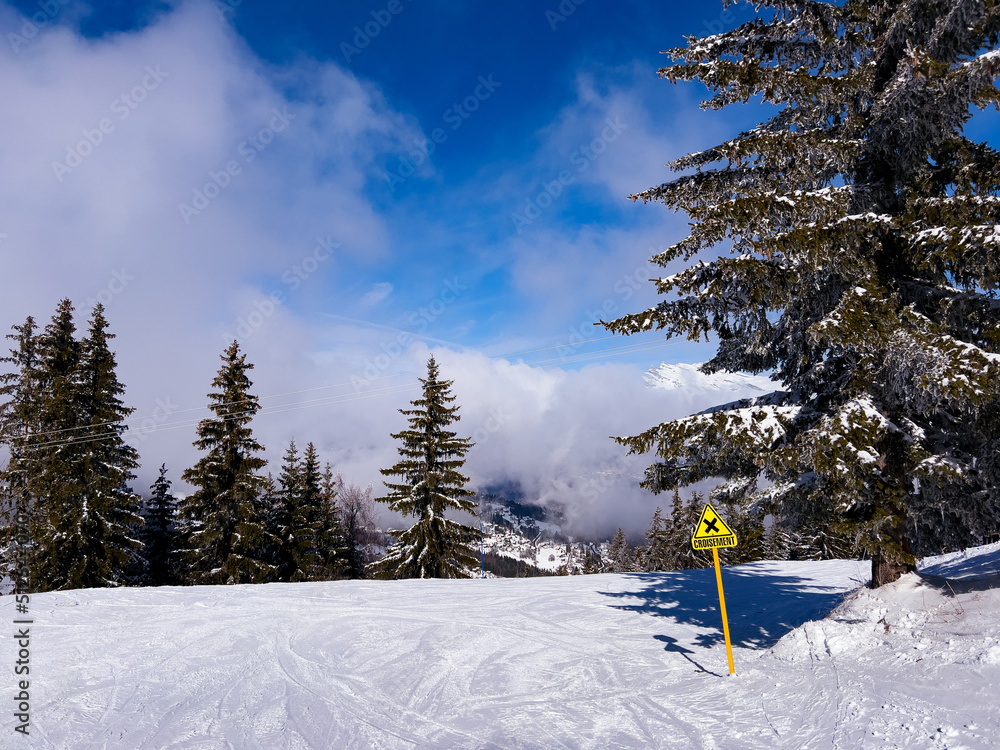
(602, 661)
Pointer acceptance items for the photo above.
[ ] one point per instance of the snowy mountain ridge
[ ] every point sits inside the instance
(683, 377)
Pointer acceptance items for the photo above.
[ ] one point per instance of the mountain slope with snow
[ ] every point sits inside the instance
(685, 377)
(605, 661)
(533, 534)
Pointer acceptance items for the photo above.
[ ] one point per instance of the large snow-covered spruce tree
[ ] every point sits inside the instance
(430, 459)
(223, 521)
(110, 510)
(858, 230)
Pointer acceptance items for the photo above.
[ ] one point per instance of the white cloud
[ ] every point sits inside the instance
(602, 146)
(103, 140)
(547, 428)
(272, 163)
(206, 102)
(377, 293)
(556, 429)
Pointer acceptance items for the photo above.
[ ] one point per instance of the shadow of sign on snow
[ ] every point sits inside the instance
(762, 605)
(676, 648)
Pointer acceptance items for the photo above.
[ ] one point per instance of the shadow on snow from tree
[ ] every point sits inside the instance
(762, 606)
(964, 567)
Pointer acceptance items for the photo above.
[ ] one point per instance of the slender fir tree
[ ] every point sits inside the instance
(18, 426)
(656, 554)
(281, 516)
(159, 534)
(621, 555)
(19, 411)
(684, 516)
(314, 537)
(49, 470)
(431, 457)
(862, 271)
(592, 562)
(109, 462)
(322, 549)
(224, 519)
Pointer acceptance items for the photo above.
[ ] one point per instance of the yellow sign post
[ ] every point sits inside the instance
(712, 533)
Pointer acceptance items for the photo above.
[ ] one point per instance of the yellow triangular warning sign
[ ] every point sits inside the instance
(712, 531)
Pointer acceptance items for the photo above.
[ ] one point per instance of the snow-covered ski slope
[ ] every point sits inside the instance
(606, 661)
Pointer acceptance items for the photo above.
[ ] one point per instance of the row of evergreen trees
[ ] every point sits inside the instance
(668, 539)
(69, 469)
(668, 542)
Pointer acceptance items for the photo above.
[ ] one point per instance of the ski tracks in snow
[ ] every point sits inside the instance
(511, 664)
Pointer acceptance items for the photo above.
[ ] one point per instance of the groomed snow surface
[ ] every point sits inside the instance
(602, 661)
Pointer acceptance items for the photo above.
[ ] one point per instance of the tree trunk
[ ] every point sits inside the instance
(886, 571)
(894, 556)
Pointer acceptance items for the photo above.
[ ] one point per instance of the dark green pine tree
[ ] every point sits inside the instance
(224, 520)
(859, 264)
(431, 457)
(19, 398)
(84, 533)
(49, 456)
(35, 422)
(281, 515)
(18, 426)
(271, 510)
(311, 524)
(329, 484)
(303, 524)
(322, 549)
(592, 562)
(109, 462)
(684, 517)
(159, 534)
(652, 556)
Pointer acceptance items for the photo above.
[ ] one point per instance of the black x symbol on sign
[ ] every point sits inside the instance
(710, 526)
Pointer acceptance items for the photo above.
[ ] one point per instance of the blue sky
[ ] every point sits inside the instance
(346, 202)
(506, 98)
(497, 147)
